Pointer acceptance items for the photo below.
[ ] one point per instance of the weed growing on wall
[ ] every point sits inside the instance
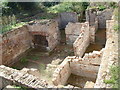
(114, 76)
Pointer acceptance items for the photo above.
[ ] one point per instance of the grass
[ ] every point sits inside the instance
(20, 88)
(10, 27)
(24, 60)
(114, 72)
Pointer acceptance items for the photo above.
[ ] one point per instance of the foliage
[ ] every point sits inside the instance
(114, 72)
(50, 3)
(10, 27)
(24, 60)
(116, 27)
(20, 87)
(68, 7)
(113, 4)
(101, 7)
(9, 8)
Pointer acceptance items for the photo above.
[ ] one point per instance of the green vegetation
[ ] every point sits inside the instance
(24, 60)
(20, 88)
(68, 7)
(114, 72)
(10, 27)
(101, 7)
(116, 27)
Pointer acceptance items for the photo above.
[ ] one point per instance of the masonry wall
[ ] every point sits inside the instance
(20, 77)
(110, 56)
(91, 16)
(62, 73)
(103, 16)
(87, 66)
(66, 17)
(14, 43)
(49, 29)
(82, 42)
(73, 30)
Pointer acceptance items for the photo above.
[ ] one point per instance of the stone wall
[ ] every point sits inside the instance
(14, 43)
(73, 30)
(103, 16)
(66, 17)
(47, 28)
(22, 78)
(0, 49)
(82, 42)
(87, 66)
(62, 73)
(110, 56)
(93, 15)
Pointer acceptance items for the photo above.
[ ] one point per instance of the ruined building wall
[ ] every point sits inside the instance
(82, 42)
(20, 77)
(87, 66)
(65, 18)
(14, 43)
(62, 73)
(110, 56)
(0, 49)
(73, 30)
(103, 16)
(49, 29)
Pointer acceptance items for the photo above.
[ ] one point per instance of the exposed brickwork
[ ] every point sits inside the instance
(15, 43)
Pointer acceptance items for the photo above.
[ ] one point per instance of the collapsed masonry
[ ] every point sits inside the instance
(80, 35)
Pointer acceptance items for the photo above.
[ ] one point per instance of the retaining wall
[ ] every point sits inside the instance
(110, 56)
(14, 43)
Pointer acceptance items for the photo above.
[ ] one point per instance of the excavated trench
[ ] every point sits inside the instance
(47, 62)
(79, 81)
